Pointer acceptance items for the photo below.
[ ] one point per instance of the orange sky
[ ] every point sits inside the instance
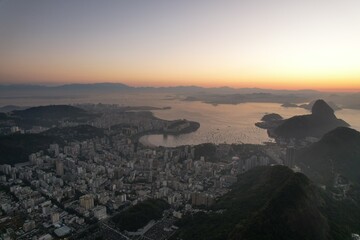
(278, 45)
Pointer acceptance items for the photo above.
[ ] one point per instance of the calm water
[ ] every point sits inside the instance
(229, 123)
(219, 124)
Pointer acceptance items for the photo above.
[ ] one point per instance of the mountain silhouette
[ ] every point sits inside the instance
(321, 120)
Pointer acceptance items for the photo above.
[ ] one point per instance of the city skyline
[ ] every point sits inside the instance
(179, 120)
(277, 45)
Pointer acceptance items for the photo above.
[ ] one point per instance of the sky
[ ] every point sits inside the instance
(279, 44)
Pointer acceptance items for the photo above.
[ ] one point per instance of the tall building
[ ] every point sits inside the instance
(290, 157)
(14, 129)
(46, 207)
(59, 168)
(201, 199)
(251, 163)
(241, 165)
(55, 217)
(55, 149)
(87, 201)
(150, 170)
(99, 212)
(29, 225)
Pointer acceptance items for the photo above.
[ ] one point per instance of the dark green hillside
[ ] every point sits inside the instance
(3, 116)
(17, 148)
(50, 112)
(293, 212)
(273, 203)
(77, 133)
(338, 152)
(261, 193)
(139, 215)
(206, 150)
(48, 116)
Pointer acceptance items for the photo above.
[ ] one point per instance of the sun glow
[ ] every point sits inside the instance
(282, 45)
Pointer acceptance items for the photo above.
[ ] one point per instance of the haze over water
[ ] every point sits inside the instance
(229, 123)
(218, 124)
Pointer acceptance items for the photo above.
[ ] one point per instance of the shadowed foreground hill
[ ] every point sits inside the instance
(272, 203)
(338, 152)
(139, 215)
(320, 121)
(17, 148)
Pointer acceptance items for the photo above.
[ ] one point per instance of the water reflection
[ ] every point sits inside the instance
(219, 123)
(229, 123)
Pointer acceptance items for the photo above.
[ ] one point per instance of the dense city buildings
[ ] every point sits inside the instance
(73, 185)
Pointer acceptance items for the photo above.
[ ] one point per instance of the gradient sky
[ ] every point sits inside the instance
(259, 43)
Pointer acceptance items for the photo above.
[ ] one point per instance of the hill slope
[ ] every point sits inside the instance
(17, 148)
(48, 116)
(139, 215)
(77, 133)
(274, 203)
(293, 212)
(320, 121)
(265, 203)
(338, 152)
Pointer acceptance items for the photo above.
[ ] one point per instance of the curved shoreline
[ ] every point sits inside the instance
(194, 126)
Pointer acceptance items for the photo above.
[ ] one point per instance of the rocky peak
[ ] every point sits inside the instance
(322, 109)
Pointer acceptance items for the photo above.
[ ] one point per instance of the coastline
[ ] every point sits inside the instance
(193, 126)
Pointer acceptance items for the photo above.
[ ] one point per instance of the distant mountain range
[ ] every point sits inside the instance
(121, 86)
(217, 95)
(262, 97)
(66, 88)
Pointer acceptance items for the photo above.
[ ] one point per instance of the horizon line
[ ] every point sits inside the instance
(54, 85)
